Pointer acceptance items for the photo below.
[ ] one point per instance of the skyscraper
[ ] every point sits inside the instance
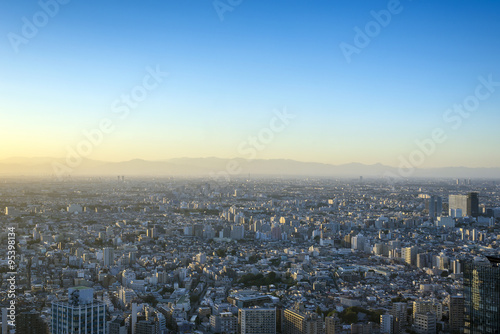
(473, 204)
(457, 203)
(435, 206)
(79, 314)
(456, 313)
(466, 204)
(108, 256)
(482, 296)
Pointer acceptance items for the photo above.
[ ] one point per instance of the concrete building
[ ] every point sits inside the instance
(257, 320)
(224, 323)
(79, 314)
(295, 322)
(425, 323)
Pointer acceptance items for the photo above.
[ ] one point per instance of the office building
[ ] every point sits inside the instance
(473, 204)
(457, 205)
(456, 313)
(482, 296)
(79, 314)
(435, 206)
(466, 204)
(257, 320)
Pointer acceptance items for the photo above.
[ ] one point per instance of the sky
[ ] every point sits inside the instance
(358, 81)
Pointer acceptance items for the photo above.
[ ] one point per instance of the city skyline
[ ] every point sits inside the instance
(367, 83)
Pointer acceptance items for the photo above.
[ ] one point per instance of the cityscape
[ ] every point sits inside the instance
(250, 167)
(258, 255)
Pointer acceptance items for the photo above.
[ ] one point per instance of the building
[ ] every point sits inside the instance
(295, 322)
(333, 325)
(473, 204)
(257, 320)
(108, 257)
(117, 326)
(31, 323)
(435, 206)
(409, 254)
(79, 314)
(466, 204)
(457, 203)
(424, 306)
(386, 324)
(224, 323)
(145, 327)
(425, 323)
(362, 328)
(456, 313)
(399, 312)
(482, 296)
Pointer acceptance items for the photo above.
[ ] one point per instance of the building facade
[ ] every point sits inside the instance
(79, 314)
(257, 320)
(482, 297)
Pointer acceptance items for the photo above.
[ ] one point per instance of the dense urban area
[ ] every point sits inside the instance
(168, 255)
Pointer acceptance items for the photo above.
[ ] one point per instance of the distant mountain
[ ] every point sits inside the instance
(218, 167)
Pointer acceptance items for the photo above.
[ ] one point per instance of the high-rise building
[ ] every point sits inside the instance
(399, 312)
(257, 320)
(435, 206)
(386, 324)
(456, 313)
(79, 314)
(466, 204)
(333, 325)
(482, 296)
(457, 203)
(425, 323)
(108, 256)
(295, 322)
(31, 323)
(424, 260)
(409, 254)
(473, 204)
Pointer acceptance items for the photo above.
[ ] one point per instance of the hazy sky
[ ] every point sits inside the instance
(231, 68)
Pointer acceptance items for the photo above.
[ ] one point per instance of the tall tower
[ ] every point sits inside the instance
(79, 314)
(473, 204)
(435, 206)
(482, 296)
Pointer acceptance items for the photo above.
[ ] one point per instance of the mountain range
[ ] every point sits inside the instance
(220, 168)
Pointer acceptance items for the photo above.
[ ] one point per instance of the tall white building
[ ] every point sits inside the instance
(79, 314)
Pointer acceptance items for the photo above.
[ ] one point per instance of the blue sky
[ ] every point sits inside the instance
(227, 77)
